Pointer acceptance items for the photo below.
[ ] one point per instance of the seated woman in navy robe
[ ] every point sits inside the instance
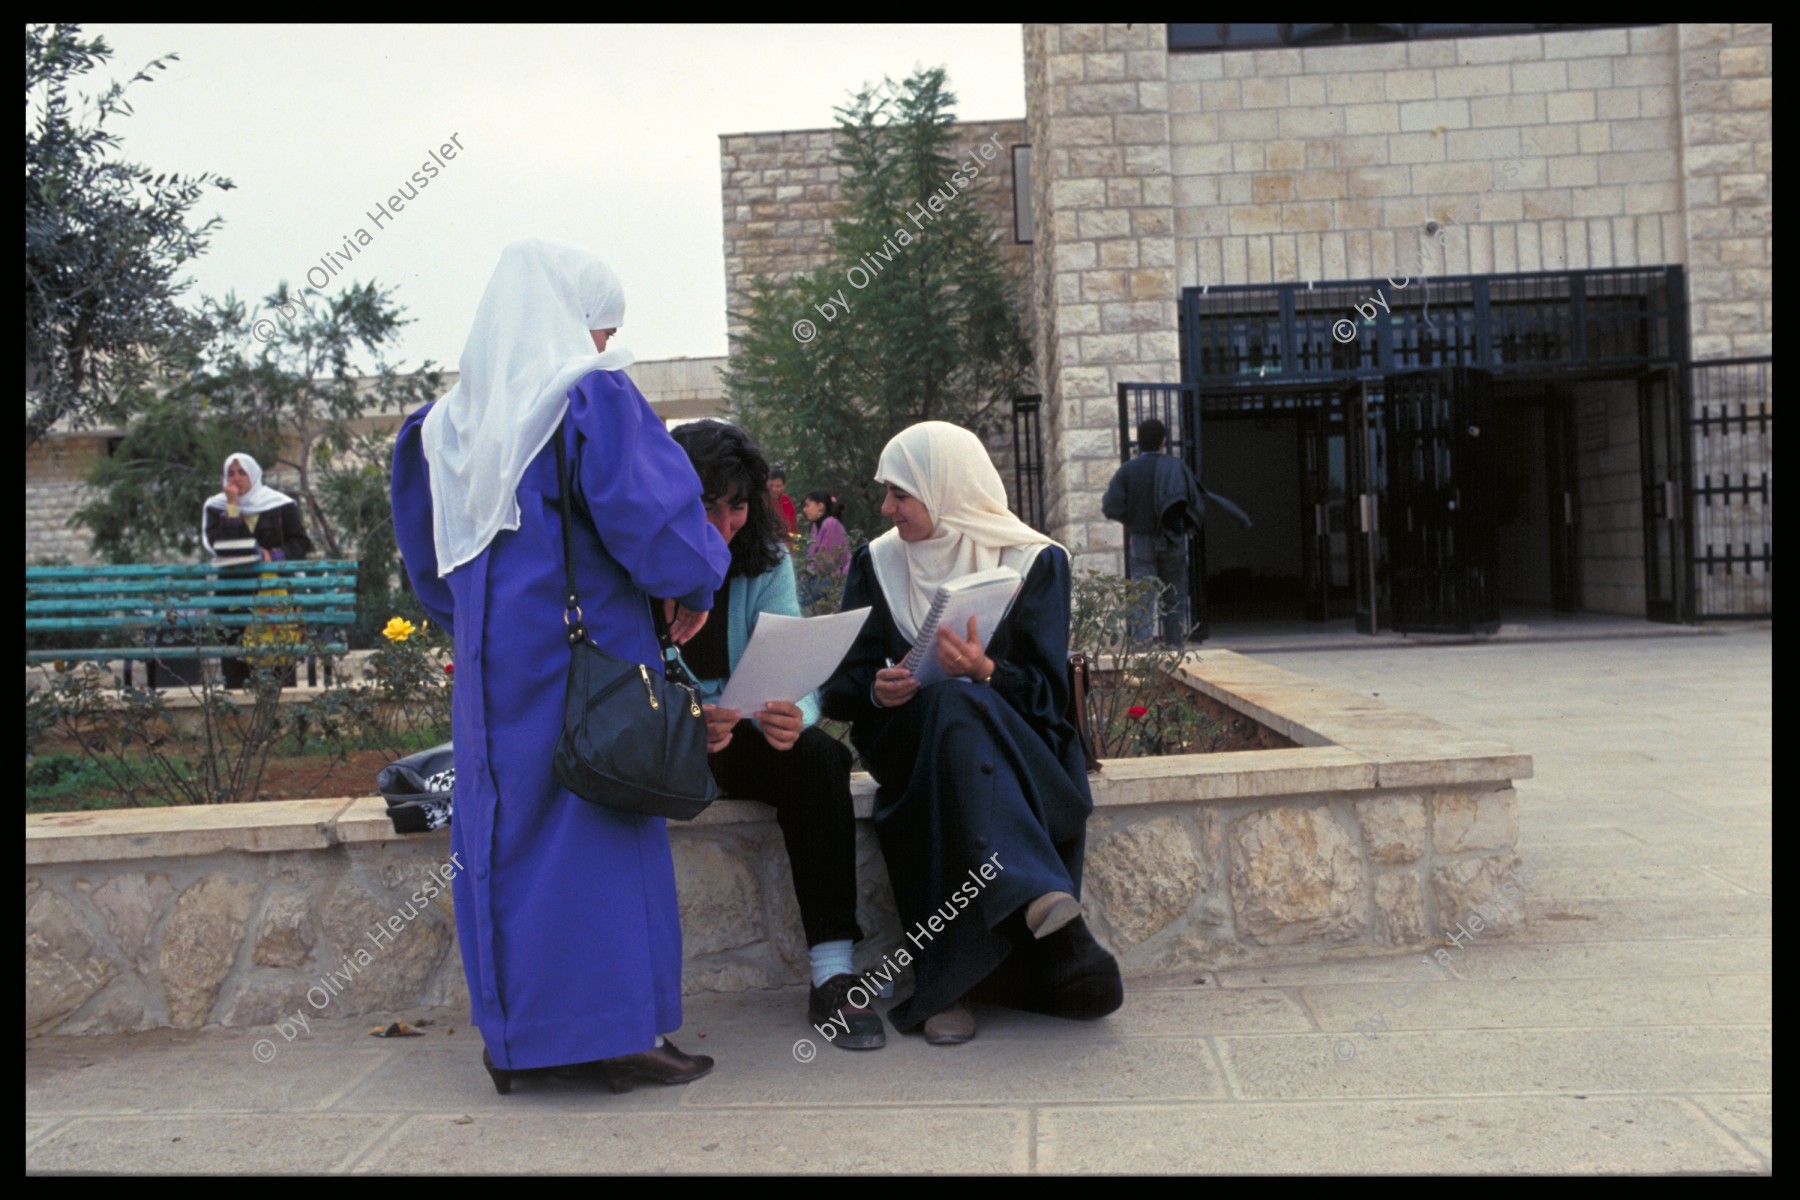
(982, 784)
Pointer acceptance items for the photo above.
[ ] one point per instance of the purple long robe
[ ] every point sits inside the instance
(565, 910)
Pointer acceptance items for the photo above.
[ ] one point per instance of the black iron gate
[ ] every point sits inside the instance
(1439, 501)
(1729, 515)
(1028, 461)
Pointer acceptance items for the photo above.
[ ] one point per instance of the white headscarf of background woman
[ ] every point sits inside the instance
(259, 499)
(529, 345)
(947, 469)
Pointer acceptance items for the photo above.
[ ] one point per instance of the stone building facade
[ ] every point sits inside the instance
(1159, 173)
(780, 192)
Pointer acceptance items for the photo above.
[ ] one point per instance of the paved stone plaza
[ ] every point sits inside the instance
(1625, 1029)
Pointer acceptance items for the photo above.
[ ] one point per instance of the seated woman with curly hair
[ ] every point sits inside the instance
(775, 754)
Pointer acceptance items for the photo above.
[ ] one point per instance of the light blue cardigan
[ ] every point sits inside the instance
(772, 591)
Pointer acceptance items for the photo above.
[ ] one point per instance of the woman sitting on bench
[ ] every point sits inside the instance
(984, 800)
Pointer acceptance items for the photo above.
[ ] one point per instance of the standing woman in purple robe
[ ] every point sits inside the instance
(565, 910)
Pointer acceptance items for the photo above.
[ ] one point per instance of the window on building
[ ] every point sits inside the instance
(1247, 37)
(1023, 228)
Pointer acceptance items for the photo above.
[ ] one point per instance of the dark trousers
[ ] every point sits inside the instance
(1164, 559)
(809, 788)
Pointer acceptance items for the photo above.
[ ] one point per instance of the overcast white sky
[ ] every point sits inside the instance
(605, 136)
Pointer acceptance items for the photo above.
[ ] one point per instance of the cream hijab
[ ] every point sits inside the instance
(948, 470)
(259, 499)
(529, 346)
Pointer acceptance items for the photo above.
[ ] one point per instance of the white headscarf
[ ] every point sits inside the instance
(259, 499)
(529, 345)
(946, 468)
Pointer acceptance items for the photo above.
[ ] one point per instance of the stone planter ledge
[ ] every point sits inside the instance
(1379, 829)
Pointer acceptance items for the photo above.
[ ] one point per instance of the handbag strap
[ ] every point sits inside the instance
(565, 485)
(571, 598)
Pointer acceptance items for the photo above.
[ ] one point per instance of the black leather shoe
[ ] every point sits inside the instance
(503, 1077)
(829, 1008)
(664, 1064)
(1081, 979)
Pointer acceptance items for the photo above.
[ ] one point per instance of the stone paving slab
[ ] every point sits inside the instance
(822, 1140)
(1650, 958)
(1568, 1003)
(1640, 918)
(1750, 1118)
(1635, 1135)
(1476, 1062)
(1625, 1029)
(307, 1144)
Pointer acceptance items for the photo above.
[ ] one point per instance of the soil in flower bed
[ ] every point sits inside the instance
(1225, 730)
(1235, 732)
(293, 777)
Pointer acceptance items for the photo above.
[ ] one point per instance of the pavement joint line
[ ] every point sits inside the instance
(376, 1142)
(705, 1109)
(1734, 1135)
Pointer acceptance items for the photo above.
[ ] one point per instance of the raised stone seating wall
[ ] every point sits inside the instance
(1380, 830)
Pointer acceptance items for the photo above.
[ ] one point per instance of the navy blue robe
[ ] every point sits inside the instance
(565, 910)
(970, 774)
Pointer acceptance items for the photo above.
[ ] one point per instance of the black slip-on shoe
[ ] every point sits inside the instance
(845, 1025)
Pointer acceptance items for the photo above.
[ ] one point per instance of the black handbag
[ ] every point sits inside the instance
(632, 738)
(417, 789)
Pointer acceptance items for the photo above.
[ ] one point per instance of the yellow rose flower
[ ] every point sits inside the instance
(398, 630)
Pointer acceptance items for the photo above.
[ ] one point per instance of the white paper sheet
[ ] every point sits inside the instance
(788, 657)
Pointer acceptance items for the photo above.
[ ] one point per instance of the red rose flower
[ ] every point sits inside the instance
(1137, 712)
(449, 668)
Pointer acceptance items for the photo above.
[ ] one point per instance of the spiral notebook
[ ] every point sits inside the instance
(235, 552)
(985, 595)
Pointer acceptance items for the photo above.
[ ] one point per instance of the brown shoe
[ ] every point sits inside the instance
(952, 1027)
(1050, 912)
(664, 1064)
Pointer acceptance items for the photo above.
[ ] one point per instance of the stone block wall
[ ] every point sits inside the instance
(51, 531)
(1558, 151)
(1378, 831)
(781, 194)
(1609, 540)
(55, 473)
(1727, 144)
(239, 938)
(1097, 105)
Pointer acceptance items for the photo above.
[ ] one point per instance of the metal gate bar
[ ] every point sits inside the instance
(1730, 510)
(1028, 461)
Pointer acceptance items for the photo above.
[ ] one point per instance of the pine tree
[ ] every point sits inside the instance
(915, 317)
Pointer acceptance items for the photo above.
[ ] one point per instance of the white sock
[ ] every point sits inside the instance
(830, 959)
(659, 1039)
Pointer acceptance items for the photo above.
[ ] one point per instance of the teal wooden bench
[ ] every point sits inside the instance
(201, 602)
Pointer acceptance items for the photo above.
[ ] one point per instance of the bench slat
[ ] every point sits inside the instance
(165, 570)
(160, 652)
(223, 583)
(99, 606)
(328, 619)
